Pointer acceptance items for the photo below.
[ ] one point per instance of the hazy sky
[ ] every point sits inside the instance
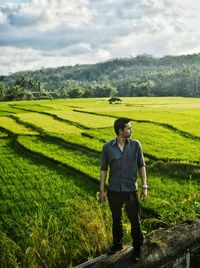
(48, 33)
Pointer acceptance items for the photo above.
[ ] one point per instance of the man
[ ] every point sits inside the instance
(124, 158)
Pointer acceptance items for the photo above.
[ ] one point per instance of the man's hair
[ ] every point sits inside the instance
(120, 123)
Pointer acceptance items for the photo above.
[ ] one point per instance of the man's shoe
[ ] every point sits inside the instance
(114, 249)
(136, 255)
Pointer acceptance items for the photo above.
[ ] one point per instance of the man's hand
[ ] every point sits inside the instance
(102, 193)
(102, 197)
(143, 194)
(143, 175)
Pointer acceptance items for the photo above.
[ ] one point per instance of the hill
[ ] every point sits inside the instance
(143, 75)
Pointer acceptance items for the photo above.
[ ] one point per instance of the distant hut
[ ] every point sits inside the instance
(114, 100)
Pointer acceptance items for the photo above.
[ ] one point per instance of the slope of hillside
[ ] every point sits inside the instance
(143, 75)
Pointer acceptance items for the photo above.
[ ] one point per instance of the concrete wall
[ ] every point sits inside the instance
(176, 247)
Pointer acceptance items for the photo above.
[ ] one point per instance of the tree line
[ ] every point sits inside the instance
(26, 88)
(143, 75)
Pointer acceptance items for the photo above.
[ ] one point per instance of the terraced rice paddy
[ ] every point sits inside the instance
(50, 156)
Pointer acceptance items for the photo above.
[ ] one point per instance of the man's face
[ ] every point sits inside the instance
(127, 131)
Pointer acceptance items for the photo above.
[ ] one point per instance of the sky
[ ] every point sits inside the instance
(49, 33)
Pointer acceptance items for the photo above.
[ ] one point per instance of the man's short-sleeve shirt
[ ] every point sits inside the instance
(123, 164)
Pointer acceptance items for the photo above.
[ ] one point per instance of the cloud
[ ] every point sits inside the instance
(51, 33)
(17, 59)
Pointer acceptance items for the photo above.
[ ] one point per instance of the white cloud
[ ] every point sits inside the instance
(21, 59)
(3, 18)
(41, 33)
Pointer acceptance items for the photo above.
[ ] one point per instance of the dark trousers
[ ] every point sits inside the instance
(130, 200)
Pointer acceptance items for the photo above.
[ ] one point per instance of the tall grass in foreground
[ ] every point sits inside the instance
(48, 218)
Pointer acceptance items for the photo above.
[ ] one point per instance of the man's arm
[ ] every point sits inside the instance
(143, 176)
(102, 194)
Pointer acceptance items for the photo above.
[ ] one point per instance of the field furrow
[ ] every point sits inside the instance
(49, 174)
(194, 134)
(71, 156)
(157, 141)
(47, 123)
(32, 195)
(13, 127)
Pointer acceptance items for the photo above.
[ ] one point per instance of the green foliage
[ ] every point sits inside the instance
(2, 90)
(9, 251)
(75, 93)
(105, 90)
(143, 75)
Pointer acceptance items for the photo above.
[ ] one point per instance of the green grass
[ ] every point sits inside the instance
(2, 134)
(173, 200)
(181, 113)
(183, 122)
(88, 120)
(49, 214)
(4, 113)
(46, 213)
(168, 206)
(7, 110)
(30, 107)
(81, 139)
(157, 141)
(73, 157)
(12, 126)
(47, 123)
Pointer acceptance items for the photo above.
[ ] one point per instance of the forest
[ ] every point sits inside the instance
(143, 75)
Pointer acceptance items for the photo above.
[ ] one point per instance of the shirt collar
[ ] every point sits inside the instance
(115, 141)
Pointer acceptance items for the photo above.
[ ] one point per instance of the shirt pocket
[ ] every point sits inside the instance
(114, 155)
(131, 156)
(131, 163)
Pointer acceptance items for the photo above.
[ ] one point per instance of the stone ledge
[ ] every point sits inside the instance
(178, 246)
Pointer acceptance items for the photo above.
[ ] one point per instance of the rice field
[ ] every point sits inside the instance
(46, 123)
(49, 171)
(158, 141)
(9, 124)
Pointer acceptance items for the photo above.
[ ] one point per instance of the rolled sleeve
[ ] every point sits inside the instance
(104, 158)
(140, 156)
